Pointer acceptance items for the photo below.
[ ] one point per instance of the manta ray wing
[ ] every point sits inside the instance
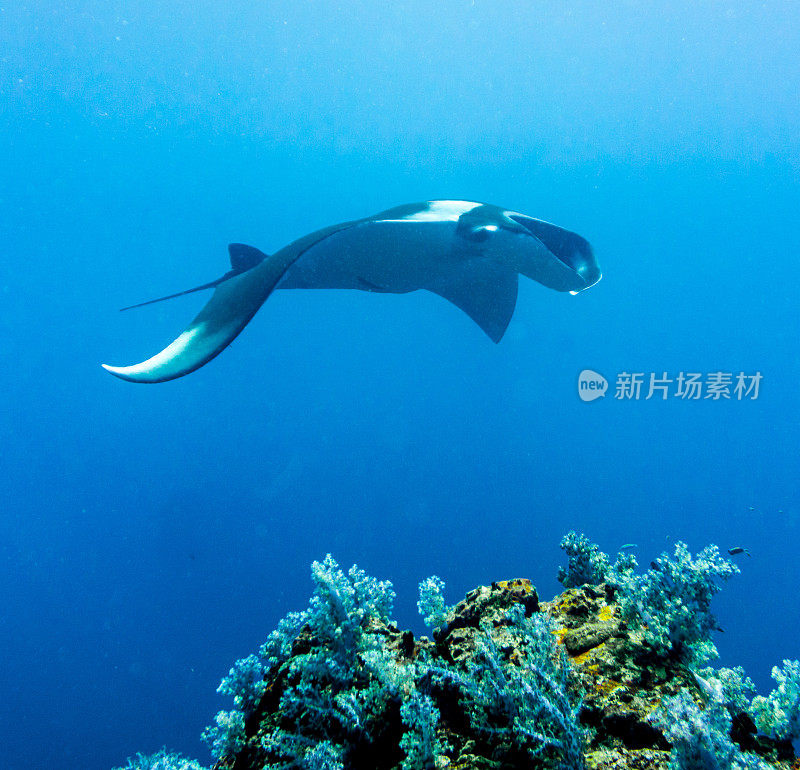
(486, 292)
(234, 302)
(230, 308)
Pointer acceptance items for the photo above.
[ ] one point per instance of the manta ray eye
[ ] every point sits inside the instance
(481, 233)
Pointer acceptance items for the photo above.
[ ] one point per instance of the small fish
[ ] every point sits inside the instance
(736, 550)
(628, 547)
(710, 689)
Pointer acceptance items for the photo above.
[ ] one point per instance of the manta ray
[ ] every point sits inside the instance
(469, 253)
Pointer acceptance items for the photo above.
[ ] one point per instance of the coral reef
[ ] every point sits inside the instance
(587, 565)
(603, 676)
(671, 601)
(700, 737)
(161, 760)
(779, 713)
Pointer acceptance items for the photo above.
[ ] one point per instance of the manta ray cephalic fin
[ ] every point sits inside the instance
(487, 293)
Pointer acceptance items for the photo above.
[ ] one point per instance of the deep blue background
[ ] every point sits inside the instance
(151, 535)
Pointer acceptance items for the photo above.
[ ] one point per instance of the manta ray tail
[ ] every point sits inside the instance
(243, 258)
(237, 296)
(209, 285)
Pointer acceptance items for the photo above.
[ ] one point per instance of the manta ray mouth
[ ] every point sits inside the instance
(567, 247)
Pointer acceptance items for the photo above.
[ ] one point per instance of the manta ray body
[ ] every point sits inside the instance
(469, 253)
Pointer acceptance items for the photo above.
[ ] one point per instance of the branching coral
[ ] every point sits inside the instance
(421, 743)
(700, 738)
(671, 602)
(587, 563)
(339, 609)
(338, 685)
(431, 602)
(531, 699)
(730, 686)
(161, 760)
(778, 714)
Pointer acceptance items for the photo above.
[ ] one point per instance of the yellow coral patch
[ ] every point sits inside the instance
(517, 585)
(606, 613)
(587, 662)
(569, 598)
(559, 634)
(608, 686)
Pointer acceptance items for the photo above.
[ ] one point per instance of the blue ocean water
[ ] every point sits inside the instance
(150, 535)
